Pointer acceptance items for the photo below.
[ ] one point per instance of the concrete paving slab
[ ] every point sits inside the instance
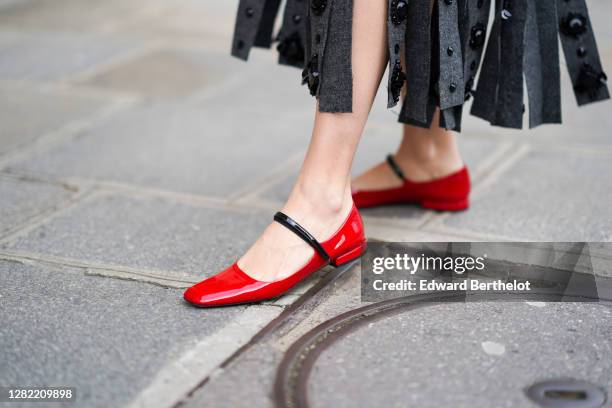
(106, 337)
(390, 231)
(28, 112)
(166, 73)
(183, 19)
(4, 4)
(46, 55)
(265, 86)
(22, 200)
(71, 15)
(545, 196)
(599, 13)
(179, 241)
(177, 148)
(464, 355)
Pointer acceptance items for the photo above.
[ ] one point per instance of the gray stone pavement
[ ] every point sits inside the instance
(133, 150)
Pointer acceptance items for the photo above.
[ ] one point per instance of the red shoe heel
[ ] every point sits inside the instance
(449, 193)
(349, 256)
(233, 286)
(438, 205)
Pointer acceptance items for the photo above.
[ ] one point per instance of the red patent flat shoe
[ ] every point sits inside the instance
(449, 193)
(233, 286)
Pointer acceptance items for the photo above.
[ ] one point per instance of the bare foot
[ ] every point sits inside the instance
(278, 252)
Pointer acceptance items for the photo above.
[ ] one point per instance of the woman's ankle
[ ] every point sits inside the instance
(319, 208)
(424, 167)
(323, 199)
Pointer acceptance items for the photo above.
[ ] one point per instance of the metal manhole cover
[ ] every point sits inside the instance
(294, 387)
(566, 394)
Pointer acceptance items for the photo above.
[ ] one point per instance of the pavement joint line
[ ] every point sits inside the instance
(138, 191)
(474, 235)
(114, 62)
(209, 92)
(558, 145)
(220, 42)
(232, 85)
(131, 190)
(117, 27)
(505, 162)
(399, 222)
(489, 176)
(109, 27)
(280, 173)
(46, 215)
(38, 179)
(63, 134)
(156, 276)
(454, 234)
(195, 45)
(69, 89)
(34, 176)
(37, 219)
(262, 203)
(134, 276)
(574, 149)
(501, 150)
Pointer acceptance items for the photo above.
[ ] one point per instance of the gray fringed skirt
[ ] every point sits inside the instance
(444, 50)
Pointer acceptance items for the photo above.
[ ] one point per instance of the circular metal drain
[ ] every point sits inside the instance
(291, 390)
(566, 394)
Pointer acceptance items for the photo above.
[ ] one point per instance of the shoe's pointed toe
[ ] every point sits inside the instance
(191, 295)
(231, 286)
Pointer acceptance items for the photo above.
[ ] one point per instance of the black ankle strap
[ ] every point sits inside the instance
(301, 232)
(395, 167)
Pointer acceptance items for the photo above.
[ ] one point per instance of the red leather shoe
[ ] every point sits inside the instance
(450, 193)
(233, 286)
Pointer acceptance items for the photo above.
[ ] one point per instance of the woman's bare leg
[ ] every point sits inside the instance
(423, 155)
(321, 198)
